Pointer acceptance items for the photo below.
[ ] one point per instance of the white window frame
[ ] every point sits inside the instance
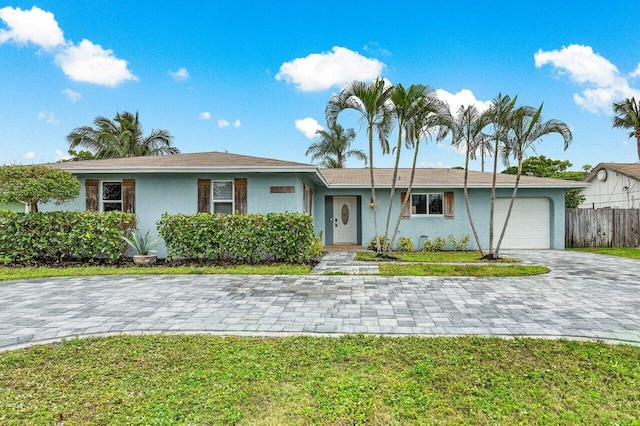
(233, 193)
(427, 214)
(102, 200)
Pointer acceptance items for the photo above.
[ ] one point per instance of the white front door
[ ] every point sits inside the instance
(344, 220)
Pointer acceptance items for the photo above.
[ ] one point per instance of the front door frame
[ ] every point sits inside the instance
(329, 219)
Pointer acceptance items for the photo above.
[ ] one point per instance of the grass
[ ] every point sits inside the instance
(471, 256)
(351, 380)
(7, 273)
(449, 270)
(630, 252)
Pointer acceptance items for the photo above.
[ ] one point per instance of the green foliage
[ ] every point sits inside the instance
(251, 238)
(459, 245)
(405, 244)
(63, 236)
(34, 184)
(316, 246)
(385, 245)
(142, 244)
(573, 198)
(437, 245)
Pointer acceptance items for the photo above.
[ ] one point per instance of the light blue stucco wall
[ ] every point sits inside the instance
(178, 193)
(439, 226)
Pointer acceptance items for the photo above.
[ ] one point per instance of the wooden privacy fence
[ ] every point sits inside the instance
(602, 227)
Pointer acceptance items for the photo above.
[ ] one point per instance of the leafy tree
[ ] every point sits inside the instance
(467, 132)
(80, 155)
(627, 116)
(33, 184)
(542, 166)
(121, 137)
(525, 129)
(333, 147)
(373, 102)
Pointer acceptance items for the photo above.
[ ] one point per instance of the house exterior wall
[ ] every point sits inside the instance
(437, 226)
(618, 191)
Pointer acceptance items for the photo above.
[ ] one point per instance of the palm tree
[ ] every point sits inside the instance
(122, 137)
(373, 102)
(333, 147)
(467, 132)
(628, 117)
(498, 115)
(525, 129)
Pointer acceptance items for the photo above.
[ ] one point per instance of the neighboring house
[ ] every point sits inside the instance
(338, 199)
(15, 207)
(612, 185)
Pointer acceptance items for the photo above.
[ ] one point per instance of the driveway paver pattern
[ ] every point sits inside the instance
(585, 296)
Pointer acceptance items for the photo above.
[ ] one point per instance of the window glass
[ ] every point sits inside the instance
(223, 207)
(435, 204)
(111, 196)
(419, 204)
(222, 190)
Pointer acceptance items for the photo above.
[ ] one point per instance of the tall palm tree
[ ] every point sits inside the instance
(526, 127)
(121, 137)
(333, 147)
(628, 117)
(373, 102)
(431, 118)
(467, 132)
(407, 105)
(499, 115)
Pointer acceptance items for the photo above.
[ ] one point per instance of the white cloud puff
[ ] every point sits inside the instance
(72, 95)
(31, 26)
(91, 63)
(29, 155)
(602, 81)
(237, 124)
(464, 97)
(321, 71)
(308, 126)
(223, 124)
(205, 115)
(48, 117)
(636, 73)
(180, 75)
(61, 155)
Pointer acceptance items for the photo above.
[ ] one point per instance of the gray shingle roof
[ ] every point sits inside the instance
(628, 169)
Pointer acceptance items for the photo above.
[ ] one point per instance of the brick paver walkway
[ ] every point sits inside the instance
(585, 296)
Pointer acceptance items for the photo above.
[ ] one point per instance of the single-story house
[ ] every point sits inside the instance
(612, 185)
(338, 199)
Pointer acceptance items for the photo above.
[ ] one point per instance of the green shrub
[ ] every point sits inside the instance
(437, 245)
(459, 245)
(60, 236)
(316, 246)
(405, 244)
(383, 244)
(250, 238)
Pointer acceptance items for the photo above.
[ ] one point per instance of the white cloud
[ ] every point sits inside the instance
(29, 155)
(222, 123)
(601, 80)
(61, 155)
(308, 126)
(181, 75)
(237, 124)
(205, 115)
(636, 73)
(464, 97)
(48, 117)
(72, 95)
(321, 71)
(91, 63)
(31, 26)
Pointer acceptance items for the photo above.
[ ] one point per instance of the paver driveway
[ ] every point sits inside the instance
(585, 296)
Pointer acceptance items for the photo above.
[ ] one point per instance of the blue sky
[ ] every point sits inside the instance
(253, 77)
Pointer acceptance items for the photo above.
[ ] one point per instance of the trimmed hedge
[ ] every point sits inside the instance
(249, 238)
(63, 236)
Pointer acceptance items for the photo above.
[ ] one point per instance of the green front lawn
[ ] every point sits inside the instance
(449, 270)
(7, 273)
(351, 380)
(630, 252)
(471, 256)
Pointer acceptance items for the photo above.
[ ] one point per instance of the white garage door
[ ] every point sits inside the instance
(529, 223)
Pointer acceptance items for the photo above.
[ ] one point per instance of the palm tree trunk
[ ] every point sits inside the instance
(638, 141)
(513, 199)
(408, 196)
(466, 202)
(493, 197)
(387, 250)
(373, 191)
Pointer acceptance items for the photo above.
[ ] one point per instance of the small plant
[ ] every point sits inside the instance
(437, 245)
(459, 245)
(384, 244)
(405, 244)
(316, 246)
(142, 244)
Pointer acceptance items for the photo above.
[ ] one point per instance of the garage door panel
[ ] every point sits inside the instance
(529, 223)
